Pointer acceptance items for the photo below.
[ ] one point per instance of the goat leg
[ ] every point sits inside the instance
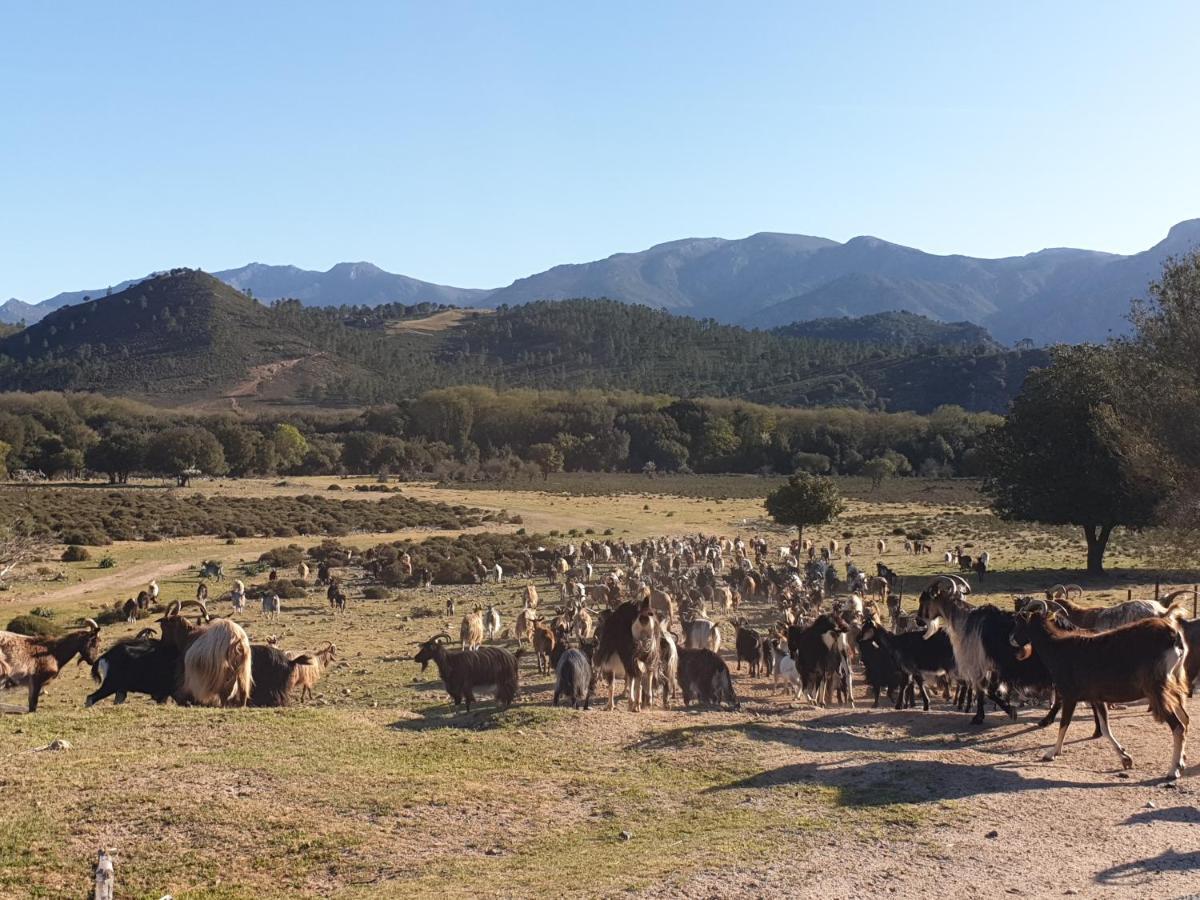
(1101, 713)
(1068, 710)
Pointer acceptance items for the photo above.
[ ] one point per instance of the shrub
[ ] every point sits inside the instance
(75, 553)
(283, 557)
(334, 487)
(108, 561)
(287, 590)
(87, 536)
(284, 531)
(33, 626)
(376, 593)
(423, 612)
(43, 612)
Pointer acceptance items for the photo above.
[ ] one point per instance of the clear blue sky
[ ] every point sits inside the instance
(473, 143)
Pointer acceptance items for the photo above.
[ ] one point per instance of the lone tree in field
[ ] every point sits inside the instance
(804, 500)
(1067, 456)
(184, 453)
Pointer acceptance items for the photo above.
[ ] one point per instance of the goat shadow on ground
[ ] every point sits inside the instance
(1141, 870)
(482, 717)
(1186, 814)
(902, 781)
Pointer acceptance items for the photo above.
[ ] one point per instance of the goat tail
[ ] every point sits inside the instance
(1170, 701)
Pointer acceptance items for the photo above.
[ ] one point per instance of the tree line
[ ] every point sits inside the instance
(482, 433)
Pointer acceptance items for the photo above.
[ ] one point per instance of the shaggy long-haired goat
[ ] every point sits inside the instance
(465, 671)
(217, 667)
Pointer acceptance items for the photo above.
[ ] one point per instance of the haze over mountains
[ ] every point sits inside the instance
(767, 280)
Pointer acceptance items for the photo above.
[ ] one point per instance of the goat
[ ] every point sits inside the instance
(820, 655)
(913, 656)
(531, 596)
(274, 674)
(130, 610)
(1141, 659)
(544, 642)
(748, 644)
(216, 657)
(306, 675)
(574, 679)
(523, 630)
(981, 652)
(669, 665)
(647, 650)
(581, 623)
(704, 676)
(785, 668)
(33, 661)
(465, 671)
(1104, 618)
(879, 668)
(702, 633)
(1191, 663)
(491, 622)
(614, 652)
(471, 630)
(137, 665)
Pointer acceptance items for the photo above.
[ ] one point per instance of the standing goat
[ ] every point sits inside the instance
(306, 675)
(471, 630)
(32, 661)
(465, 671)
(1140, 660)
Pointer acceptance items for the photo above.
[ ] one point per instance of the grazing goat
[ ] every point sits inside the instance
(138, 665)
(306, 675)
(574, 679)
(702, 633)
(471, 630)
(33, 661)
(216, 657)
(704, 676)
(465, 671)
(1143, 659)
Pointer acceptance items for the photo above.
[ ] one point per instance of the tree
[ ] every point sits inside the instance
(1066, 456)
(877, 470)
(55, 458)
(118, 455)
(290, 446)
(185, 452)
(804, 500)
(547, 457)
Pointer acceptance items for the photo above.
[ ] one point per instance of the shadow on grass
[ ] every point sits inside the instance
(1134, 872)
(1186, 814)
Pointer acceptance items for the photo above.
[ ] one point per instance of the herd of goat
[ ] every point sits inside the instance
(650, 621)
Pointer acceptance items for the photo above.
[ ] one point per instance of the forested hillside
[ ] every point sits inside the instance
(186, 336)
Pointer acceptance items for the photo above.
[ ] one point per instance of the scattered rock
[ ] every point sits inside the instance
(1122, 774)
(992, 834)
(626, 835)
(1149, 805)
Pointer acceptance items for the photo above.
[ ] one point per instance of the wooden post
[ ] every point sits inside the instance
(104, 877)
(1156, 592)
(1195, 594)
(1128, 593)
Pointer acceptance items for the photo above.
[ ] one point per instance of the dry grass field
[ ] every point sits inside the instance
(377, 789)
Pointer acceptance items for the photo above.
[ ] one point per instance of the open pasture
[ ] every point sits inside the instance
(376, 788)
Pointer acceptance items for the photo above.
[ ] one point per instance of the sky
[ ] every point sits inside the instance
(475, 143)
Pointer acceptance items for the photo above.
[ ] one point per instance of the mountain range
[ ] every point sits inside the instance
(767, 280)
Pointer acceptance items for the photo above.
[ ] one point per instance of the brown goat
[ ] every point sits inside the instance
(32, 661)
(543, 645)
(1143, 659)
(471, 630)
(306, 677)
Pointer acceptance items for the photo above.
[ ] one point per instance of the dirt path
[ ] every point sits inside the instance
(260, 375)
(128, 580)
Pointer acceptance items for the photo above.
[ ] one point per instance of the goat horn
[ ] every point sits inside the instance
(1072, 587)
(1054, 590)
(145, 633)
(328, 644)
(1037, 605)
(92, 624)
(438, 637)
(1170, 598)
(962, 583)
(173, 610)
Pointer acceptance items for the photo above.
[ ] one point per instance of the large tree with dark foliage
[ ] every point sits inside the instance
(1068, 454)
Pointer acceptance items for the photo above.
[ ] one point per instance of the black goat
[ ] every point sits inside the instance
(913, 656)
(880, 670)
(574, 679)
(749, 646)
(139, 665)
(465, 671)
(821, 657)
(272, 671)
(703, 676)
